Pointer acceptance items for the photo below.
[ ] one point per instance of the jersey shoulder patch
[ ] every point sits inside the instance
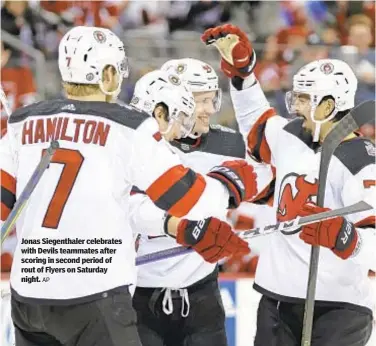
(356, 153)
(121, 114)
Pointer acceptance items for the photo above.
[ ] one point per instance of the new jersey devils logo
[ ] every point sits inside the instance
(295, 191)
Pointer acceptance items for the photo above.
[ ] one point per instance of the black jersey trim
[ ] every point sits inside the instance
(356, 153)
(219, 141)
(123, 115)
(8, 197)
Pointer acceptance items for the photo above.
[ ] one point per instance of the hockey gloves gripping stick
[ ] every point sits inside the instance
(238, 56)
(286, 227)
(211, 238)
(336, 234)
(239, 178)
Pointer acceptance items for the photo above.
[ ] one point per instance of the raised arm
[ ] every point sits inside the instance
(257, 121)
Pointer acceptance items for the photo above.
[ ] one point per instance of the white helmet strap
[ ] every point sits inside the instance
(170, 123)
(318, 123)
(115, 92)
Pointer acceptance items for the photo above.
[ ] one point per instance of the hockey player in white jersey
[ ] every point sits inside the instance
(65, 290)
(202, 80)
(323, 92)
(169, 293)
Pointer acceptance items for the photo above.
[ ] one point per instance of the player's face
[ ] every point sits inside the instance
(300, 105)
(205, 108)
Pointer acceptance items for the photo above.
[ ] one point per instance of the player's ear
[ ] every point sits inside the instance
(158, 113)
(329, 107)
(108, 75)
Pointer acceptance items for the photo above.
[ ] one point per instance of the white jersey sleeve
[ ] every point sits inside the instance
(180, 191)
(361, 187)
(83, 197)
(8, 166)
(258, 121)
(145, 217)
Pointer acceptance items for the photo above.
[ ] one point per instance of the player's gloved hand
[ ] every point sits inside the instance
(211, 238)
(238, 56)
(337, 234)
(239, 220)
(239, 178)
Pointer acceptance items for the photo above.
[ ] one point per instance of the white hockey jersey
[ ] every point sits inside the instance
(81, 204)
(282, 270)
(219, 145)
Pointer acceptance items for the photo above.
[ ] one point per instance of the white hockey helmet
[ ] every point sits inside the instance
(85, 51)
(198, 75)
(320, 78)
(164, 87)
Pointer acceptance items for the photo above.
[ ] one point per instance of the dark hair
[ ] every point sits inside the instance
(166, 116)
(339, 114)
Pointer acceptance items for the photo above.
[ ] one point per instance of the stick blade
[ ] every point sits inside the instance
(364, 113)
(360, 115)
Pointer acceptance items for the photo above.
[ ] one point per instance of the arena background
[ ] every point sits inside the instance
(286, 35)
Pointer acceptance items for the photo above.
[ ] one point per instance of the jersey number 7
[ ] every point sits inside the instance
(72, 161)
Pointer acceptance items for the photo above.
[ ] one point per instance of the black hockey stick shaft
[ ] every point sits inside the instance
(246, 235)
(28, 190)
(360, 115)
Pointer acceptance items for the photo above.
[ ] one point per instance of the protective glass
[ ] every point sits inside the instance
(186, 122)
(296, 102)
(211, 103)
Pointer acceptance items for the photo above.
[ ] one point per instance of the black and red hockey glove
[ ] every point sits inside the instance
(238, 56)
(239, 178)
(211, 238)
(337, 234)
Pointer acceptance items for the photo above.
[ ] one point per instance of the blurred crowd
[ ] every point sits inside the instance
(286, 35)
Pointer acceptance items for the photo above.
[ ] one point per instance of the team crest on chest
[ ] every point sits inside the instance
(295, 191)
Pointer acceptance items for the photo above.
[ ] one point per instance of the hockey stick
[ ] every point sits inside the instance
(4, 102)
(28, 190)
(360, 115)
(284, 227)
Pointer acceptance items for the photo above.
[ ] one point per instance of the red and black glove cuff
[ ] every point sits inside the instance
(191, 232)
(347, 240)
(232, 181)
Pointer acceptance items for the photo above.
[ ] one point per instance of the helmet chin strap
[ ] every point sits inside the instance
(318, 123)
(169, 127)
(114, 93)
(194, 135)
